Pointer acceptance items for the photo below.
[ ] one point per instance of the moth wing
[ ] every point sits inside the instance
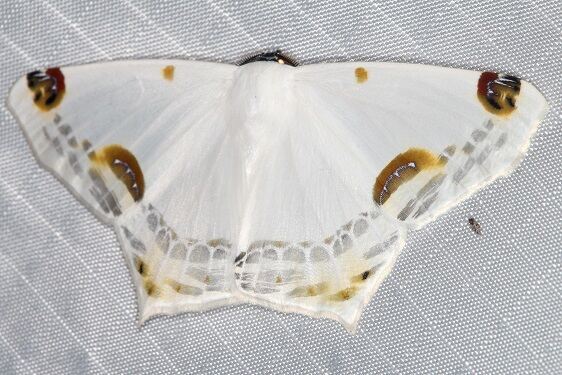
(145, 145)
(431, 136)
(360, 153)
(317, 196)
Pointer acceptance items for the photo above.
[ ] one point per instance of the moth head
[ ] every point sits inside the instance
(276, 56)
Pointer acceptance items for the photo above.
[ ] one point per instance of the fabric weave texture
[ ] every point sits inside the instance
(456, 302)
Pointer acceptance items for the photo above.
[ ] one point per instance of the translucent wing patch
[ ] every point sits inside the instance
(332, 278)
(173, 274)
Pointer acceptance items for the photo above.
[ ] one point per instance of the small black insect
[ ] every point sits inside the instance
(476, 228)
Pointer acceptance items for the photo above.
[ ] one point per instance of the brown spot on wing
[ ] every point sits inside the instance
(147, 283)
(361, 75)
(401, 169)
(498, 92)
(141, 267)
(362, 276)
(48, 88)
(168, 72)
(124, 166)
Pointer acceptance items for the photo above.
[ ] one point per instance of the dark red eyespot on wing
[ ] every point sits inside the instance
(498, 92)
(47, 87)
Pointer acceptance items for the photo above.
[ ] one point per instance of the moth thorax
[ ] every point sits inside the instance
(261, 87)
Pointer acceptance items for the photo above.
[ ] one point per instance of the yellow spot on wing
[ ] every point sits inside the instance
(168, 72)
(151, 288)
(344, 294)
(309, 290)
(361, 75)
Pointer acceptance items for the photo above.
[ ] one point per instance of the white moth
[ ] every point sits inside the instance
(288, 187)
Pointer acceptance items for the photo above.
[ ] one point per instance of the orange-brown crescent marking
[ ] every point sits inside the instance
(401, 169)
(361, 75)
(124, 166)
(498, 92)
(168, 72)
(48, 88)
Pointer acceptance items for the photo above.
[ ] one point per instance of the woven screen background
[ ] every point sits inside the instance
(455, 302)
